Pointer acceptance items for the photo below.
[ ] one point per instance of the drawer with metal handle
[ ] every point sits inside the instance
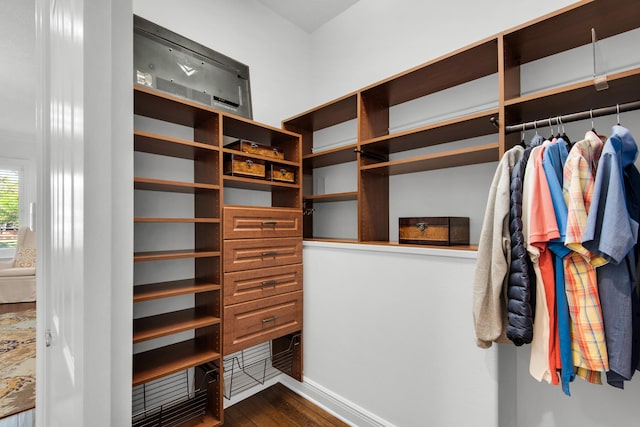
(260, 253)
(253, 322)
(242, 286)
(259, 222)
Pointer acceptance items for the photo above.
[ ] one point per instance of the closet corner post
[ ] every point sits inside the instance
(508, 88)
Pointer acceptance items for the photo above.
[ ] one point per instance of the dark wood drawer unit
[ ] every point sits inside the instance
(243, 286)
(260, 253)
(254, 322)
(252, 223)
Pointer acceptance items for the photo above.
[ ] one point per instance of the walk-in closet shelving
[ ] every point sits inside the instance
(538, 39)
(331, 114)
(162, 356)
(503, 55)
(262, 245)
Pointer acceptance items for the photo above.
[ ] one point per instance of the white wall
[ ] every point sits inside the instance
(375, 39)
(18, 77)
(390, 332)
(18, 96)
(276, 51)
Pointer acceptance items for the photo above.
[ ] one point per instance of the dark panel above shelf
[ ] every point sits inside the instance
(332, 113)
(464, 65)
(539, 38)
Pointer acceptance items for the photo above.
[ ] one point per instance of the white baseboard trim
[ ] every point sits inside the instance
(340, 407)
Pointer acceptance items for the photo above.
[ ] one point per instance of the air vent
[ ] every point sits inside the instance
(183, 91)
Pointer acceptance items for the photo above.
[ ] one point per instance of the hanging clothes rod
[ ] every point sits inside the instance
(597, 112)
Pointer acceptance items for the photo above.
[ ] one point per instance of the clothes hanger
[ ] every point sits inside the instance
(522, 141)
(551, 128)
(564, 135)
(618, 113)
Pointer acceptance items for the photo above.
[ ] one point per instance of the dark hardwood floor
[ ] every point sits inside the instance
(278, 406)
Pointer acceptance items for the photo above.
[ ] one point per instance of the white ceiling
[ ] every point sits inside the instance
(308, 14)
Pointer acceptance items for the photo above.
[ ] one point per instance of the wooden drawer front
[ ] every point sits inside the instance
(259, 253)
(249, 285)
(253, 322)
(243, 223)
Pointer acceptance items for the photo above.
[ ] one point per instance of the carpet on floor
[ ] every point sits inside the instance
(17, 362)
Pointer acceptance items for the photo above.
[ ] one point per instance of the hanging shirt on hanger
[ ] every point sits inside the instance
(494, 250)
(612, 233)
(539, 225)
(587, 329)
(554, 159)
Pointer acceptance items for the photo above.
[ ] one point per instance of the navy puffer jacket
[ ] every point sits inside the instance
(521, 286)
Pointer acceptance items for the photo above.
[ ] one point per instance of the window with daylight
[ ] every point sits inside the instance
(15, 195)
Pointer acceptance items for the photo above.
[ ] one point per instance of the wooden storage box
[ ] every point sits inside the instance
(244, 166)
(251, 147)
(443, 230)
(281, 173)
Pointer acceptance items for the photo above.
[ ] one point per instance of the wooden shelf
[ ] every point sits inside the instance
(151, 103)
(337, 197)
(255, 184)
(179, 220)
(152, 184)
(580, 96)
(329, 114)
(265, 158)
(473, 248)
(448, 159)
(330, 240)
(456, 129)
(331, 157)
(173, 288)
(161, 325)
(174, 147)
(167, 255)
(157, 363)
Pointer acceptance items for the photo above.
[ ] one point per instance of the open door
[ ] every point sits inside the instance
(85, 213)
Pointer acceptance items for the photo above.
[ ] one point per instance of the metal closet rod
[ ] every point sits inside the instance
(556, 120)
